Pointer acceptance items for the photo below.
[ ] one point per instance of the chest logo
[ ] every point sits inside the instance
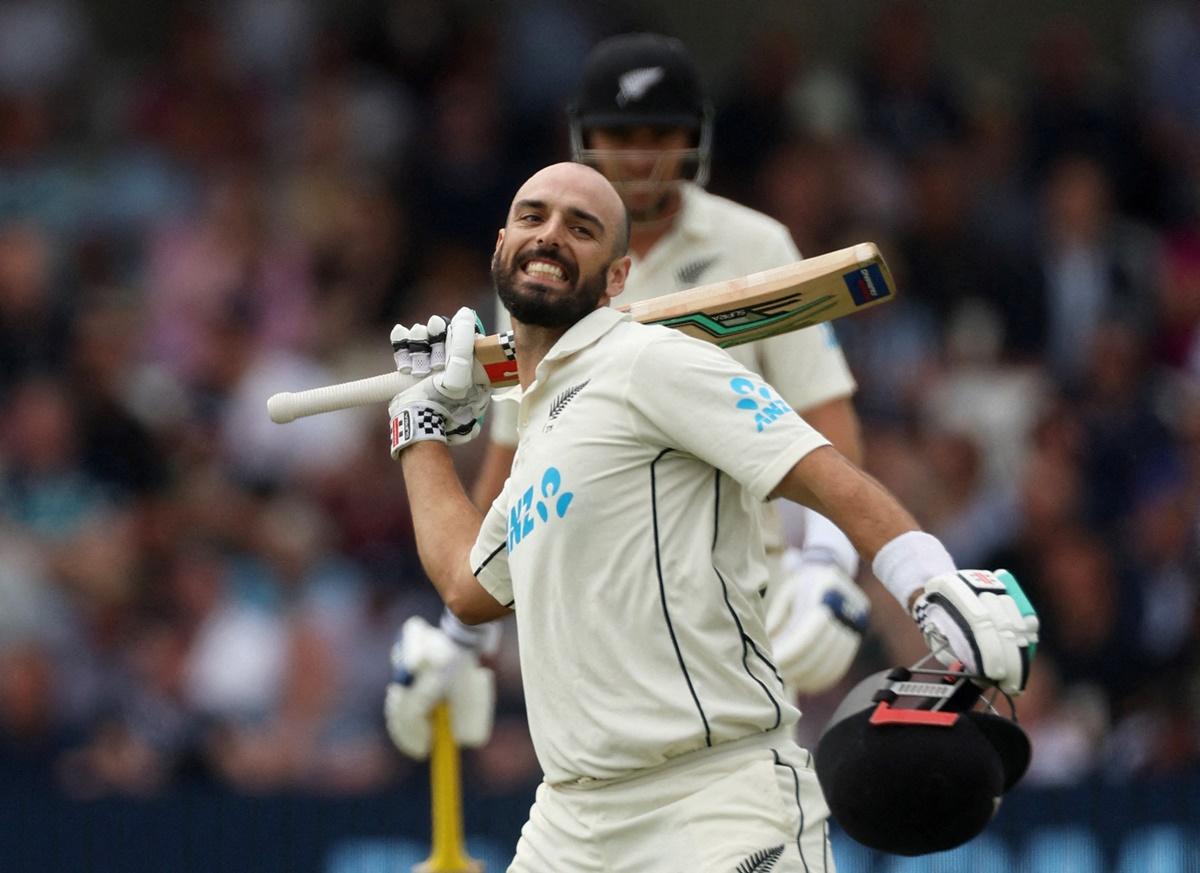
(560, 403)
(767, 406)
(534, 510)
(689, 274)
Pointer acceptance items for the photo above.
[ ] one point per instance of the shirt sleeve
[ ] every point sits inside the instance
(692, 396)
(489, 555)
(807, 367)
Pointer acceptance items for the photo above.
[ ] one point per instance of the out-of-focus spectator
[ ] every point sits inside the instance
(1066, 727)
(951, 266)
(1088, 611)
(32, 735)
(1128, 445)
(44, 488)
(1094, 264)
(1177, 343)
(1165, 49)
(195, 107)
(754, 120)
(908, 101)
(1072, 109)
(231, 263)
(34, 317)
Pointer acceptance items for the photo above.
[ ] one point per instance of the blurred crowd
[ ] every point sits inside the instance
(189, 592)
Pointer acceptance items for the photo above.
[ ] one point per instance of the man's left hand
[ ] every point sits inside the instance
(816, 622)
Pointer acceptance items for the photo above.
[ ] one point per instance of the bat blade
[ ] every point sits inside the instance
(727, 313)
(775, 301)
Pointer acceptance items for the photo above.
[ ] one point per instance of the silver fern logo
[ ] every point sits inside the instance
(689, 274)
(634, 84)
(560, 403)
(762, 861)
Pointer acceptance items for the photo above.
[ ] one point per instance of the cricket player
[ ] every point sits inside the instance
(627, 541)
(641, 119)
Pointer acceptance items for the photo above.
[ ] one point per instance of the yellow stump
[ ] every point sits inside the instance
(449, 854)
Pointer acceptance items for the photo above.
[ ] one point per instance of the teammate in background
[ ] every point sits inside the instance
(642, 120)
(628, 545)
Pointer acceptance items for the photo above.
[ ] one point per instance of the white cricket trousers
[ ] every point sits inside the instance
(749, 806)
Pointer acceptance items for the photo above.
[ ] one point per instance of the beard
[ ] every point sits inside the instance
(532, 303)
(649, 207)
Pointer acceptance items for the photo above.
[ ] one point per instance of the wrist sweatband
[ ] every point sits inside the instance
(907, 562)
(483, 639)
(416, 423)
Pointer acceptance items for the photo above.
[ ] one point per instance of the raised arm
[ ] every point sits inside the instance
(824, 480)
(443, 408)
(978, 617)
(446, 524)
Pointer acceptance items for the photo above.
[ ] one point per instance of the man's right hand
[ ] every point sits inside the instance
(449, 401)
(427, 667)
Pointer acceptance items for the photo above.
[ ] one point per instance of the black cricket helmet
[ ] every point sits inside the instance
(916, 760)
(642, 80)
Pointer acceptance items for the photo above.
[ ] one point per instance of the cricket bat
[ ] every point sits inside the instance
(726, 313)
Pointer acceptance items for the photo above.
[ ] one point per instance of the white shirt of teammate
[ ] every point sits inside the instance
(625, 541)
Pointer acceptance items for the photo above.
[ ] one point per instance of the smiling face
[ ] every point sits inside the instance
(561, 253)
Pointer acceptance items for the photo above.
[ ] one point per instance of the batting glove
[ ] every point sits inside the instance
(449, 401)
(429, 666)
(982, 619)
(816, 620)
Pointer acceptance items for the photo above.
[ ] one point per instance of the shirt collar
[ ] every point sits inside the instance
(694, 220)
(586, 331)
(693, 223)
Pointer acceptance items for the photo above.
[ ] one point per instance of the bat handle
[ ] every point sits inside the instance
(449, 853)
(290, 405)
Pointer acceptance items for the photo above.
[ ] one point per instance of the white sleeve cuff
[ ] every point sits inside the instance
(483, 639)
(909, 561)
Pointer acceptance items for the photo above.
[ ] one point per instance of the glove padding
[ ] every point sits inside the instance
(427, 667)
(816, 622)
(449, 401)
(982, 619)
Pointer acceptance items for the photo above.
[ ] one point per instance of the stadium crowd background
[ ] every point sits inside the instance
(191, 594)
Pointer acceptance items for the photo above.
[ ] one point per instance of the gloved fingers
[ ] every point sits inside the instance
(849, 606)
(407, 725)
(458, 377)
(436, 326)
(815, 653)
(951, 637)
(418, 350)
(400, 354)
(1010, 630)
(472, 699)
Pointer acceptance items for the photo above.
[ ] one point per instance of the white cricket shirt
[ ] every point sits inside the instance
(626, 541)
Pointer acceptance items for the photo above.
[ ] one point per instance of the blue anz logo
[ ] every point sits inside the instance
(552, 502)
(767, 406)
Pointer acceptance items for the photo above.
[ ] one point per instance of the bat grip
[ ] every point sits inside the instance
(290, 405)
